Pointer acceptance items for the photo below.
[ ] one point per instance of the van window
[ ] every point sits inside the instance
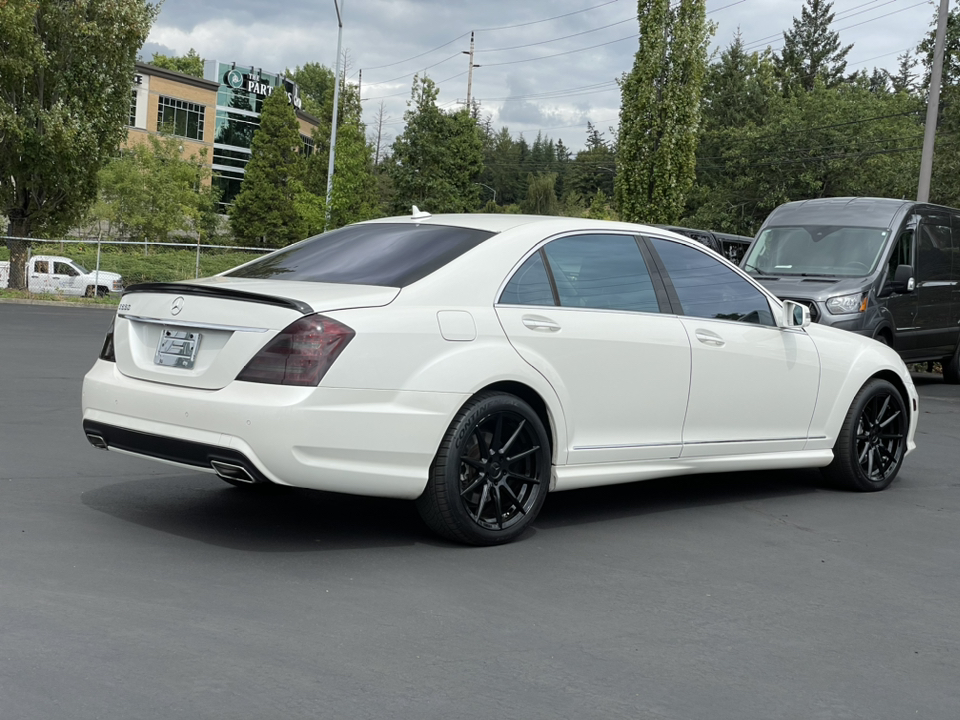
(902, 253)
(817, 250)
(934, 251)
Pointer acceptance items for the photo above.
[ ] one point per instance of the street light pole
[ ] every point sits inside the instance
(493, 190)
(336, 108)
(933, 105)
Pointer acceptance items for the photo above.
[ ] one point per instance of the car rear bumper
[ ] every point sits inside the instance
(363, 442)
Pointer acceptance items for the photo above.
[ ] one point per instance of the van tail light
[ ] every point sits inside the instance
(106, 351)
(300, 354)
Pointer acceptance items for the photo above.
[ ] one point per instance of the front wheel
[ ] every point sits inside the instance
(491, 473)
(951, 368)
(872, 441)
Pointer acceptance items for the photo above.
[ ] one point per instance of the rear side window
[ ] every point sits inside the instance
(708, 289)
(387, 254)
(530, 285)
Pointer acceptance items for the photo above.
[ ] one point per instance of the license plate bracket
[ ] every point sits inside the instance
(177, 348)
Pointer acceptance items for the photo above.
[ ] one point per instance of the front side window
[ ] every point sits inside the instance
(708, 289)
(902, 253)
(816, 250)
(605, 272)
(60, 268)
(181, 118)
(387, 254)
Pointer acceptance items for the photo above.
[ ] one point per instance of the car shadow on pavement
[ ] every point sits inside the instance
(268, 519)
(280, 519)
(680, 493)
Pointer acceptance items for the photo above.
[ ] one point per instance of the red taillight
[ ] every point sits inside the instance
(106, 351)
(300, 354)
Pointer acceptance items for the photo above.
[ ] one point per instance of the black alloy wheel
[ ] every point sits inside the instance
(491, 474)
(873, 439)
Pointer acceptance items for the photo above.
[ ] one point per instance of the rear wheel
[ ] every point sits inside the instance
(873, 439)
(491, 473)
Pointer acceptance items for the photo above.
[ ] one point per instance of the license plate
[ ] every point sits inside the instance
(177, 348)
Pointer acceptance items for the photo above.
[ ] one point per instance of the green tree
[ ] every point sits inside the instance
(189, 64)
(438, 157)
(150, 192)
(593, 168)
(354, 195)
(660, 111)
(65, 70)
(811, 50)
(316, 83)
(541, 194)
(265, 211)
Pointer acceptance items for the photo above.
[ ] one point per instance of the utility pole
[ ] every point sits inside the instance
(470, 71)
(336, 107)
(933, 105)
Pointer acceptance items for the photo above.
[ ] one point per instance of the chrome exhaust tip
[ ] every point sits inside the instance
(97, 441)
(229, 471)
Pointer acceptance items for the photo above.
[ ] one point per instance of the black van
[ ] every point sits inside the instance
(887, 269)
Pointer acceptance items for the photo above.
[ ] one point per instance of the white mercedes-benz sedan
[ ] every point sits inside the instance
(474, 363)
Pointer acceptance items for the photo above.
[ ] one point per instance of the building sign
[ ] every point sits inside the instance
(256, 85)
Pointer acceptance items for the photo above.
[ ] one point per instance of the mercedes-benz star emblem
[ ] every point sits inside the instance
(177, 306)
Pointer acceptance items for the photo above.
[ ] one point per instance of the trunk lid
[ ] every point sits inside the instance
(202, 334)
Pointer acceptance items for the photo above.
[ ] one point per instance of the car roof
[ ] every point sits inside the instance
(497, 223)
(877, 212)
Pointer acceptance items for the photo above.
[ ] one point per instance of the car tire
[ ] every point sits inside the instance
(951, 368)
(491, 473)
(872, 442)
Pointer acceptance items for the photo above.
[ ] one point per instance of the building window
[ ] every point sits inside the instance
(180, 118)
(133, 109)
(308, 144)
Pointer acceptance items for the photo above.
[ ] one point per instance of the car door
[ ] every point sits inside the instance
(753, 385)
(585, 311)
(903, 305)
(40, 278)
(936, 332)
(64, 279)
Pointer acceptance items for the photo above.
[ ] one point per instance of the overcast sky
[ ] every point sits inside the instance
(547, 66)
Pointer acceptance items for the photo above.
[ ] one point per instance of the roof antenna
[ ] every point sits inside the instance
(419, 214)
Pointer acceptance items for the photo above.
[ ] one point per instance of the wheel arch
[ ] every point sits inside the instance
(895, 380)
(535, 401)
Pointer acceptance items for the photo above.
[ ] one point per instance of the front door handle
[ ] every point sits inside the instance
(709, 338)
(536, 322)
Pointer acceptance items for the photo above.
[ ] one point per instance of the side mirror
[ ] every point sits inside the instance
(795, 314)
(903, 278)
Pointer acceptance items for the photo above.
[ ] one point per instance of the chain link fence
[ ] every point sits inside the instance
(72, 266)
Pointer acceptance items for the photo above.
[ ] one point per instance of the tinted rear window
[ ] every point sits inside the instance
(392, 255)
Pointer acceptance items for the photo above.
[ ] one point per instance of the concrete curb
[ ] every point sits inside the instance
(58, 303)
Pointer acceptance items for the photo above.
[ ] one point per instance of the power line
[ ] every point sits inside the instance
(796, 161)
(415, 72)
(400, 62)
(565, 37)
(568, 52)
(555, 17)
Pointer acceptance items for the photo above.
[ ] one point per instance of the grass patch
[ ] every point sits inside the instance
(109, 301)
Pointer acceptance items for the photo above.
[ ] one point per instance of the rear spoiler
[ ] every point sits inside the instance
(215, 292)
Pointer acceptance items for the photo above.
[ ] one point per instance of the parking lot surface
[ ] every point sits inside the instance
(130, 589)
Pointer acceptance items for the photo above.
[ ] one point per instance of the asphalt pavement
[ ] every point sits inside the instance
(131, 589)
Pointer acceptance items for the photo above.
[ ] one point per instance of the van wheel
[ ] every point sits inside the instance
(872, 441)
(951, 368)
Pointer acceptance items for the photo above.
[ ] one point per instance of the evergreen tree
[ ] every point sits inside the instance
(438, 158)
(354, 194)
(593, 168)
(189, 64)
(811, 50)
(905, 79)
(65, 70)
(265, 212)
(660, 111)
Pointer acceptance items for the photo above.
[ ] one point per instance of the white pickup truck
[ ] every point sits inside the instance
(62, 276)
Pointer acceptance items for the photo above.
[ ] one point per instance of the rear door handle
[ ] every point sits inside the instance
(535, 322)
(709, 338)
